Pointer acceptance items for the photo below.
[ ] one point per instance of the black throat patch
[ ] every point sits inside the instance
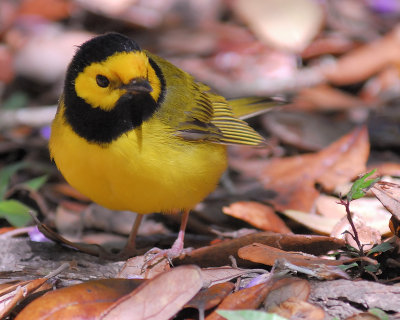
(95, 124)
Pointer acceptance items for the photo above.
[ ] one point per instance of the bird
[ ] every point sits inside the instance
(134, 132)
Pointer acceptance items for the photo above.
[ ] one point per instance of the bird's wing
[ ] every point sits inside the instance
(212, 119)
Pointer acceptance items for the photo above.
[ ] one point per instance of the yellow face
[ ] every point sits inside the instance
(101, 84)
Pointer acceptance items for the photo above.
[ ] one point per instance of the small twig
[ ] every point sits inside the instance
(346, 204)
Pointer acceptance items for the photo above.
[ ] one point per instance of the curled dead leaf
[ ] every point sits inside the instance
(258, 215)
(167, 293)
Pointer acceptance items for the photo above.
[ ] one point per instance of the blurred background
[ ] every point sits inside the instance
(336, 60)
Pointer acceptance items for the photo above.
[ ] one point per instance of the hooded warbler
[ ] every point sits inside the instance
(134, 132)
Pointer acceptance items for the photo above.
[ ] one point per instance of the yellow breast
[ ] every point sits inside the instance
(146, 170)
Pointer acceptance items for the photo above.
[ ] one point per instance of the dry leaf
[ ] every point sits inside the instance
(165, 295)
(326, 98)
(47, 9)
(285, 24)
(298, 128)
(371, 210)
(287, 288)
(294, 308)
(83, 301)
(259, 215)
(14, 294)
(218, 254)
(210, 297)
(367, 235)
(133, 268)
(360, 64)
(314, 222)
(249, 298)
(267, 255)
(293, 178)
(389, 195)
(216, 275)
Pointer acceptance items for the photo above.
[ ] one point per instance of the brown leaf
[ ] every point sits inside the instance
(249, 298)
(267, 255)
(83, 301)
(389, 195)
(14, 294)
(48, 9)
(324, 97)
(367, 235)
(218, 254)
(218, 275)
(210, 297)
(133, 268)
(304, 16)
(293, 178)
(314, 222)
(6, 65)
(294, 308)
(287, 288)
(298, 129)
(359, 64)
(259, 215)
(167, 294)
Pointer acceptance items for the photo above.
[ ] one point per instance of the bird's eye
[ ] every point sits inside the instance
(102, 81)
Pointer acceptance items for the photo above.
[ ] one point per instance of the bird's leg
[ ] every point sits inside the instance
(177, 247)
(176, 250)
(130, 248)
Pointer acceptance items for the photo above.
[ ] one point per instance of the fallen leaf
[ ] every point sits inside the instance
(298, 128)
(361, 63)
(86, 300)
(294, 178)
(389, 195)
(249, 298)
(13, 294)
(287, 288)
(258, 215)
(285, 24)
(217, 275)
(218, 254)
(48, 9)
(315, 222)
(367, 235)
(371, 210)
(165, 295)
(294, 308)
(335, 43)
(133, 268)
(210, 297)
(364, 316)
(326, 98)
(268, 255)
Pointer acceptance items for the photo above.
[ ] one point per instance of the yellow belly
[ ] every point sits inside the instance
(146, 170)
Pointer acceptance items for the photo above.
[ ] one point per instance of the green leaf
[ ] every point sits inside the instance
(248, 315)
(372, 267)
(17, 100)
(361, 186)
(383, 247)
(344, 267)
(382, 315)
(36, 183)
(15, 212)
(5, 175)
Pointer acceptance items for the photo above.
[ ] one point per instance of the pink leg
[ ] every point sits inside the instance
(177, 248)
(130, 248)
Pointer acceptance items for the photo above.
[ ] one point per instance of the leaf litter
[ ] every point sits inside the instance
(341, 71)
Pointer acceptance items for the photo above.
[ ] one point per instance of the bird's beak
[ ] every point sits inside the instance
(137, 86)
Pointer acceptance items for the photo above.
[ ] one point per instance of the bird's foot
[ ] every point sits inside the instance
(156, 255)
